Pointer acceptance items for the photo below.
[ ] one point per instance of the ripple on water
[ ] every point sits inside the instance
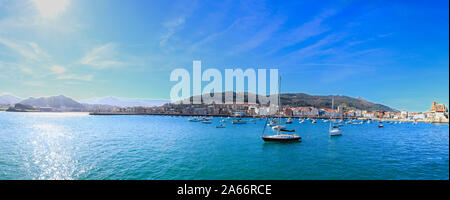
(79, 146)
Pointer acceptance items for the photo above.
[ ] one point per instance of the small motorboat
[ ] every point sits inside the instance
(380, 126)
(206, 121)
(238, 121)
(313, 121)
(286, 130)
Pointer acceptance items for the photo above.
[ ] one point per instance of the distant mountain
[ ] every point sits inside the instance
(9, 99)
(318, 101)
(54, 102)
(125, 102)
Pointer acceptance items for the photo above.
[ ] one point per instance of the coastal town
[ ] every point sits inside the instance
(437, 114)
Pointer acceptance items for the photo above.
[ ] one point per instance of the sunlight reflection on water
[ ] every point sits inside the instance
(51, 153)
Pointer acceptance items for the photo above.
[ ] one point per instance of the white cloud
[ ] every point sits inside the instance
(29, 50)
(171, 28)
(102, 57)
(56, 69)
(51, 8)
(174, 23)
(76, 77)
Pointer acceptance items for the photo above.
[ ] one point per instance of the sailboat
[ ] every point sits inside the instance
(280, 137)
(194, 119)
(334, 130)
(272, 122)
(289, 121)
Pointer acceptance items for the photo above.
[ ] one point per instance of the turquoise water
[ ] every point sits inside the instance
(79, 146)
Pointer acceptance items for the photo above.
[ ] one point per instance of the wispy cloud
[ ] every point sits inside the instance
(88, 77)
(259, 37)
(104, 56)
(57, 69)
(28, 50)
(303, 32)
(213, 36)
(316, 48)
(171, 27)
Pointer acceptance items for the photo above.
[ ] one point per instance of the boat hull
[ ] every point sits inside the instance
(281, 139)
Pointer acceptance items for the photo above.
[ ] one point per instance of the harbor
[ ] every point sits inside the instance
(271, 116)
(143, 147)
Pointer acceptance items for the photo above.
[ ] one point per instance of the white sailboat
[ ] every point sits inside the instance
(289, 121)
(278, 137)
(334, 130)
(194, 119)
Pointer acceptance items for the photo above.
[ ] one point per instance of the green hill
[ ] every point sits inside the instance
(318, 101)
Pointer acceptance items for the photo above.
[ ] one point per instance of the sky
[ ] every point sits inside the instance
(389, 52)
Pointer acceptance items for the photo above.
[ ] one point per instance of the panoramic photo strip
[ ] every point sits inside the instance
(207, 99)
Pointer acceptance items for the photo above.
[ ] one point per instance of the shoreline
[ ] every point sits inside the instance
(293, 117)
(232, 116)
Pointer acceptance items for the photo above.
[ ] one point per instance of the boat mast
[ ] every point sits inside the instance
(332, 110)
(279, 104)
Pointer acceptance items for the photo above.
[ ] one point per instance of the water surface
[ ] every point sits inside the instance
(79, 146)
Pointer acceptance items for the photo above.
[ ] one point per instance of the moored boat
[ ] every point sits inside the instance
(220, 126)
(206, 121)
(334, 130)
(238, 121)
(289, 121)
(280, 137)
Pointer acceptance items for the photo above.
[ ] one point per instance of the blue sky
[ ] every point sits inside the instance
(390, 52)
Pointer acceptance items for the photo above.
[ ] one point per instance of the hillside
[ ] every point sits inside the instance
(318, 101)
(53, 101)
(301, 99)
(8, 99)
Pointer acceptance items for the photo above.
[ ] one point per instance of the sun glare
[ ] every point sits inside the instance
(50, 8)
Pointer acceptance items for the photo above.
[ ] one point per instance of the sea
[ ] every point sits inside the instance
(144, 147)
